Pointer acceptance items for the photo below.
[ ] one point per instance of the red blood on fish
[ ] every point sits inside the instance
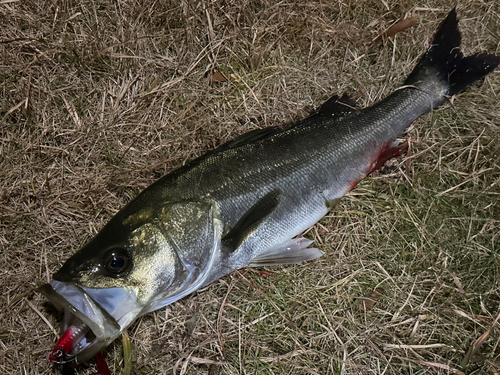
(388, 152)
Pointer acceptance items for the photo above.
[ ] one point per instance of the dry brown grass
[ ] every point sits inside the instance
(98, 99)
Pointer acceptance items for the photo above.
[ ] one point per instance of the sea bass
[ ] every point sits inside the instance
(243, 203)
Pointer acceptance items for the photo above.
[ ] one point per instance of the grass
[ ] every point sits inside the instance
(99, 99)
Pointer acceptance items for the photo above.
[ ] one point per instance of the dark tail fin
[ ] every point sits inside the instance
(449, 63)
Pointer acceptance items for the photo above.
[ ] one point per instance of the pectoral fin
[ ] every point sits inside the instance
(251, 220)
(290, 252)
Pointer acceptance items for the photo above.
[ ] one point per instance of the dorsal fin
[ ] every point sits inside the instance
(336, 106)
(251, 219)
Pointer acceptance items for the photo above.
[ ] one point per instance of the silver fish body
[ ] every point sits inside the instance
(243, 203)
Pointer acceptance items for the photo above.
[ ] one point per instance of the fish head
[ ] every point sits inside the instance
(143, 259)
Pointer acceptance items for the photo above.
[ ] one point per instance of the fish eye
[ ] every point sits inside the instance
(117, 261)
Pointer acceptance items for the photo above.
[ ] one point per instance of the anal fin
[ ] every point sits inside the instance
(292, 251)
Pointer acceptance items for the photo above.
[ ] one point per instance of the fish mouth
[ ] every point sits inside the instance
(93, 318)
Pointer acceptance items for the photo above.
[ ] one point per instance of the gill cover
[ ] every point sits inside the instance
(193, 231)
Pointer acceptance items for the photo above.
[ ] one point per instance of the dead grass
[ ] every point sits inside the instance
(101, 98)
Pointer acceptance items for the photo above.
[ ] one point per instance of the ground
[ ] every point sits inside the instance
(100, 98)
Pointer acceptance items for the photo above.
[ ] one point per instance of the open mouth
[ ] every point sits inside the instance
(87, 326)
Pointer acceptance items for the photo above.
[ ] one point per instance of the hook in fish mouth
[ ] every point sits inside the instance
(93, 318)
(73, 340)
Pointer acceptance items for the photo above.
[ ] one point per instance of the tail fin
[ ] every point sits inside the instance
(444, 55)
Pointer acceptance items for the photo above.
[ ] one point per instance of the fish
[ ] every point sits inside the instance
(243, 203)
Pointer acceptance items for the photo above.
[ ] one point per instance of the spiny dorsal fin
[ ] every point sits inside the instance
(252, 219)
(336, 106)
